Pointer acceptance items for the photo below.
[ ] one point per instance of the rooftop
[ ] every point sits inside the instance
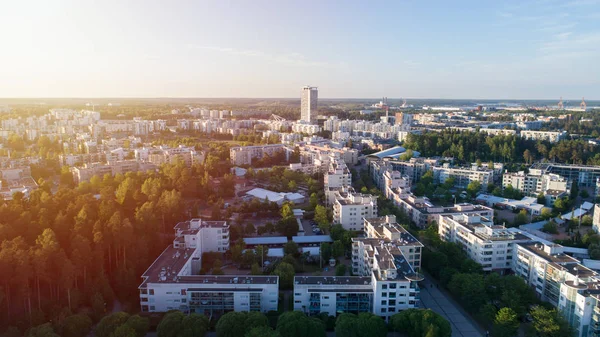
(538, 249)
(340, 280)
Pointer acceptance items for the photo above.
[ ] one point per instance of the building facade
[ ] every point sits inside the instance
(308, 104)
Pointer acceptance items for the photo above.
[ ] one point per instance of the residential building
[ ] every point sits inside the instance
(87, 171)
(308, 104)
(551, 136)
(337, 176)
(535, 182)
(350, 208)
(387, 262)
(463, 176)
(563, 282)
(243, 155)
(490, 245)
(173, 282)
(596, 222)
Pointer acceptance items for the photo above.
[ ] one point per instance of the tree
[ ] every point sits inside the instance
(421, 323)
(337, 249)
(255, 270)
(124, 331)
(587, 220)
(107, 325)
(528, 156)
(313, 200)
(473, 188)
(297, 324)
(44, 330)
(291, 248)
(194, 325)
(321, 218)
(235, 324)
(286, 274)
(78, 325)
(262, 331)
(549, 323)
(170, 325)
(141, 325)
(340, 270)
(521, 218)
(325, 251)
(506, 323)
(550, 227)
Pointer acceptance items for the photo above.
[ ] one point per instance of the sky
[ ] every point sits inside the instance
(541, 49)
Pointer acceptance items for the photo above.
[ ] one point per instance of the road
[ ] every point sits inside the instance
(440, 302)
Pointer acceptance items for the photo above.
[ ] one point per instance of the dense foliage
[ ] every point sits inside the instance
(420, 323)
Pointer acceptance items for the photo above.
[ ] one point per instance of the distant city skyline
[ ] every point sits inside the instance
(447, 50)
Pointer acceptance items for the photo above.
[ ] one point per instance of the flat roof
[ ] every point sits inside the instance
(353, 280)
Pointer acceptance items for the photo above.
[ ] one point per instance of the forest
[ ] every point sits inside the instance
(468, 147)
(80, 248)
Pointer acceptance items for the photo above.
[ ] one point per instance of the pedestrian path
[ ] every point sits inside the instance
(462, 326)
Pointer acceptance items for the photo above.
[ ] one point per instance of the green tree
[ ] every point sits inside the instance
(170, 325)
(78, 325)
(549, 323)
(139, 324)
(291, 248)
(262, 331)
(124, 331)
(506, 323)
(420, 323)
(521, 218)
(235, 324)
(321, 218)
(325, 251)
(107, 325)
(297, 324)
(337, 249)
(340, 270)
(286, 274)
(194, 325)
(550, 227)
(44, 330)
(473, 188)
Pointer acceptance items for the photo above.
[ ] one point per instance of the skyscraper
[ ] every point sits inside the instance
(308, 104)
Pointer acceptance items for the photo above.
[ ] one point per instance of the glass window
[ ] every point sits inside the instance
(392, 285)
(151, 291)
(384, 286)
(384, 302)
(383, 294)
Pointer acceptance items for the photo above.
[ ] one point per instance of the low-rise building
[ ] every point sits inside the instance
(551, 136)
(173, 282)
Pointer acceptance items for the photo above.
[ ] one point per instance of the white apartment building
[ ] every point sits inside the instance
(310, 152)
(308, 104)
(490, 245)
(387, 261)
(463, 176)
(87, 171)
(560, 280)
(243, 155)
(172, 281)
(305, 127)
(337, 176)
(350, 208)
(536, 182)
(165, 154)
(596, 223)
(551, 136)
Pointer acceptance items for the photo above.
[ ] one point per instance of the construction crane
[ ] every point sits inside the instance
(583, 105)
(277, 118)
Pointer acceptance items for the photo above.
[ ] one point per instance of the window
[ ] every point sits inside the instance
(392, 309)
(384, 302)
(144, 299)
(151, 291)
(297, 294)
(144, 292)
(383, 294)
(144, 308)
(384, 286)
(383, 310)
(152, 308)
(392, 302)
(393, 285)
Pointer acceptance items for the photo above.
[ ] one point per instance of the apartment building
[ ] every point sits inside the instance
(551, 136)
(584, 175)
(338, 176)
(308, 104)
(87, 171)
(172, 281)
(414, 168)
(535, 182)
(563, 282)
(490, 245)
(243, 155)
(387, 262)
(165, 154)
(463, 176)
(350, 208)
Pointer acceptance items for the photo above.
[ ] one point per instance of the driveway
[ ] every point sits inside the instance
(435, 299)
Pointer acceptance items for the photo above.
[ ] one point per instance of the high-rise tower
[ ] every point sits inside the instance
(308, 104)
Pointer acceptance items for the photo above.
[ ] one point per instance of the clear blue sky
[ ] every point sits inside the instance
(266, 48)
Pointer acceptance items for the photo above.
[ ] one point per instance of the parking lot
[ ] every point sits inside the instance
(308, 228)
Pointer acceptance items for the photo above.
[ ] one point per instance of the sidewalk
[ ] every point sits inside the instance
(440, 301)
